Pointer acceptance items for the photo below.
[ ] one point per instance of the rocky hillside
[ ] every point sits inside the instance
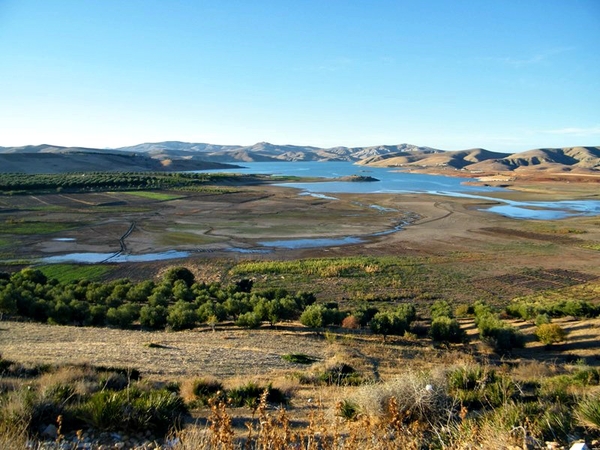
(98, 161)
(175, 155)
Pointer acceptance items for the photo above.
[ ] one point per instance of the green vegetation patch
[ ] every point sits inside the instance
(358, 266)
(66, 273)
(23, 227)
(159, 196)
(299, 358)
(592, 246)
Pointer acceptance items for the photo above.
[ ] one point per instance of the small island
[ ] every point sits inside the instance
(358, 178)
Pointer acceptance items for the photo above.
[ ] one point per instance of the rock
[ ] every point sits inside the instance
(579, 446)
(50, 431)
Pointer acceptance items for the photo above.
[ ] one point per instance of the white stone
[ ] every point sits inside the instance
(579, 446)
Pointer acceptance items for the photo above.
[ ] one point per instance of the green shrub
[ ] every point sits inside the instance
(542, 319)
(347, 409)
(313, 316)
(340, 375)
(179, 273)
(445, 329)
(249, 395)
(132, 410)
(249, 320)
(205, 389)
(463, 311)
(550, 333)
(500, 335)
(587, 376)
(558, 389)
(576, 308)
(299, 358)
(588, 412)
(441, 308)
(389, 323)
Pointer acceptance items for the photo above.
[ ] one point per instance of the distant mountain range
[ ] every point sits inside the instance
(175, 155)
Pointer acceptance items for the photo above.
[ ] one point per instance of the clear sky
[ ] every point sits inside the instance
(506, 75)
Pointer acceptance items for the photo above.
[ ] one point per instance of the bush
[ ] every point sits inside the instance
(445, 329)
(313, 316)
(249, 395)
(249, 320)
(477, 386)
(463, 311)
(154, 317)
(133, 410)
(542, 319)
(387, 323)
(441, 308)
(182, 315)
(421, 397)
(501, 336)
(123, 316)
(347, 409)
(550, 333)
(179, 273)
(588, 412)
(351, 323)
(205, 389)
(299, 358)
(340, 375)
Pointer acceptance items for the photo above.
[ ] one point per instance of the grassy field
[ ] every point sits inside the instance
(66, 273)
(159, 196)
(33, 228)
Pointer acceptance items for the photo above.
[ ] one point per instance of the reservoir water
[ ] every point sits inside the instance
(391, 180)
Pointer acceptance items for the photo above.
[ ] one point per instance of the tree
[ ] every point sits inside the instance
(182, 315)
(8, 301)
(389, 323)
(249, 320)
(154, 317)
(446, 329)
(123, 316)
(313, 316)
(179, 273)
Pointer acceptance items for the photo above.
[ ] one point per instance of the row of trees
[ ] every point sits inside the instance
(99, 181)
(177, 301)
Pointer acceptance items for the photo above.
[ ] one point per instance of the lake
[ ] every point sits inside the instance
(393, 181)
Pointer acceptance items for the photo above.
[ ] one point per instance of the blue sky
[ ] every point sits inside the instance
(503, 75)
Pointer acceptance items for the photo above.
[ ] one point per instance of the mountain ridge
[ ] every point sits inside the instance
(178, 155)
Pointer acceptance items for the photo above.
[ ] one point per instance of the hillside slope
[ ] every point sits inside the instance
(33, 163)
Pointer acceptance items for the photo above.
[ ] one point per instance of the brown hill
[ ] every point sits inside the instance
(434, 158)
(31, 163)
(580, 159)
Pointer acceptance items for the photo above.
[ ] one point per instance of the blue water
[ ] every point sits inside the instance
(393, 181)
(94, 258)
